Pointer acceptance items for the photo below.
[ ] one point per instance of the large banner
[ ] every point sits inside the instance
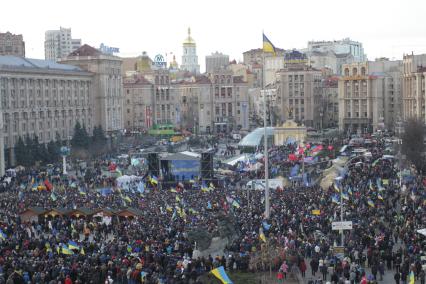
(185, 169)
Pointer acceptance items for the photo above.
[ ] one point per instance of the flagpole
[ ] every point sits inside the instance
(265, 140)
(341, 214)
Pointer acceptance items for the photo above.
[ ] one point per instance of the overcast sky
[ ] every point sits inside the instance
(386, 28)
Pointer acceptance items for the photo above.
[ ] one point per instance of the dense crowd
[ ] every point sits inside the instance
(154, 246)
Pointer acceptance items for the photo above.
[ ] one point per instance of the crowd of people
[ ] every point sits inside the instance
(155, 247)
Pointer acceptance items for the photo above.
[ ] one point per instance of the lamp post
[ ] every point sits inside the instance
(65, 151)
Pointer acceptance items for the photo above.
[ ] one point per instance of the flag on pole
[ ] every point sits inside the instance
(268, 47)
(345, 196)
(220, 274)
(336, 187)
(153, 180)
(266, 226)
(370, 202)
(335, 199)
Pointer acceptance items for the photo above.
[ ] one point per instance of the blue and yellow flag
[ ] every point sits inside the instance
(220, 274)
(336, 187)
(153, 180)
(345, 196)
(73, 245)
(3, 236)
(66, 250)
(235, 204)
(267, 45)
(370, 202)
(335, 199)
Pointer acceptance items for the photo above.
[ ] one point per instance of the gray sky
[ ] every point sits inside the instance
(386, 28)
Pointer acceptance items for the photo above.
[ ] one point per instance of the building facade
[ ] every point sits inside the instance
(58, 44)
(108, 84)
(329, 59)
(200, 104)
(370, 96)
(414, 86)
(150, 100)
(189, 55)
(11, 44)
(300, 94)
(344, 46)
(216, 61)
(329, 112)
(44, 99)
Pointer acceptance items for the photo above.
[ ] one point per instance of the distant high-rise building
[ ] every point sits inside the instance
(58, 44)
(216, 61)
(11, 44)
(339, 47)
(189, 57)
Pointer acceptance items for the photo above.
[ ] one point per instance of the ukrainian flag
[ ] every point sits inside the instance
(204, 187)
(267, 45)
(370, 202)
(73, 245)
(129, 248)
(3, 236)
(379, 196)
(154, 180)
(126, 198)
(81, 191)
(220, 274)
(336, 187)
(334, 199)
(66, 250)
(262, 237)
(235, 204)
(345, 196)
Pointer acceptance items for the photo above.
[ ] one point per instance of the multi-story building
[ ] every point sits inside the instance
(11, 44)
(300, 94)
(370, 96)
(108, 84)
(413, 86)
(255, 58)
(256, 55)
(189, 55)
(58, 44)
(330, 59)
(329, 111)
(218, 103)
(216, 61)
(343, 46)
(149, 101)
(44, 99)
(230, 102)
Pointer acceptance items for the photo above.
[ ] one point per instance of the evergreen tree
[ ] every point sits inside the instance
(80, 138)
(20, 152)
(99, 135)
(35, 149)
(29, 158)
(412, 143)
(43, 154)
(53, 151)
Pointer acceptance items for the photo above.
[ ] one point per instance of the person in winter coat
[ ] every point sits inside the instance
(397, 277)
(302, 267)
(314, 266)
(284, 269)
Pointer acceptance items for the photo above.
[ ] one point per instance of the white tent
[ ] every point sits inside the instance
(422, 232)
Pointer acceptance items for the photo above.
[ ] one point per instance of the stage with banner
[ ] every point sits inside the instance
(180, 167)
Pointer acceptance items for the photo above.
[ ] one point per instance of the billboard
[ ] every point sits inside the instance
(185, 169)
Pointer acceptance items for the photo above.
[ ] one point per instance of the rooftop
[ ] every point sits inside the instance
(21, 62)
(86, 50)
